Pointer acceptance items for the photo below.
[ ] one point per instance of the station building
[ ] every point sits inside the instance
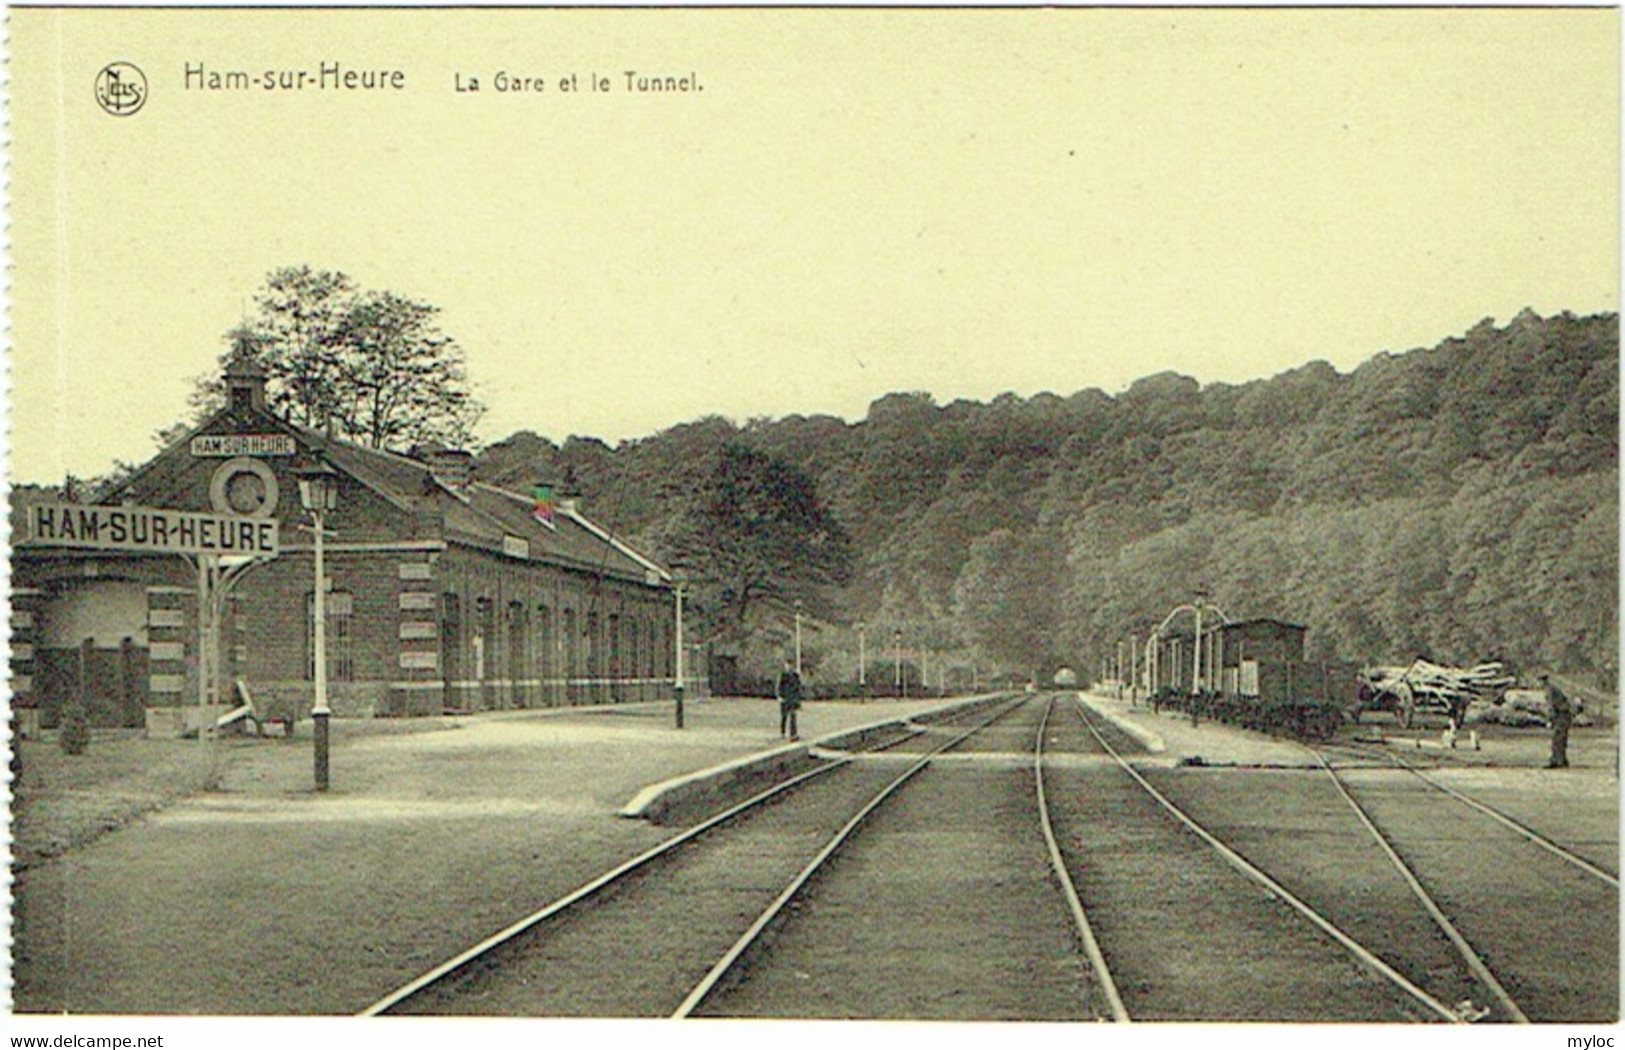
(443, 593)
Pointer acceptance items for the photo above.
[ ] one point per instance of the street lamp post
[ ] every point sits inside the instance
(319, 492)
(897, 647)
(1134, 669)
(861, 658)
(1199, 679)
(677, 691)
(798, 639)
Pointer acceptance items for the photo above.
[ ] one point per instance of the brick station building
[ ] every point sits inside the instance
(444, 593)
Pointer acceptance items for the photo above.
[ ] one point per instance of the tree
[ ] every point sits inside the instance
(753, 534)
(294, 337)
(400, 381)
(368, 366)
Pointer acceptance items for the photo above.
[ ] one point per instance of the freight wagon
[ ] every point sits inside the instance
(1252, 673)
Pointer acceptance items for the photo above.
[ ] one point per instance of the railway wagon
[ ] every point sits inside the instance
(1307, 699)
(1252, 673)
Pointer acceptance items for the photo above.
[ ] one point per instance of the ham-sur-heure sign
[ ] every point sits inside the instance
(152, 529)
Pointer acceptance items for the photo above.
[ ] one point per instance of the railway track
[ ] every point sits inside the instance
(644, 939)
(1091, 944)
(1195, 930)
(1011, 863)
(949, 906)
(1522, 908)
(1538, 839)
(1469, 955)
(1463, 911)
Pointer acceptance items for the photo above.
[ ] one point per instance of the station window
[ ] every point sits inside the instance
(340, 636)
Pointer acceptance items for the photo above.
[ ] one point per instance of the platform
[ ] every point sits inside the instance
(1172, 740)
(436, 830)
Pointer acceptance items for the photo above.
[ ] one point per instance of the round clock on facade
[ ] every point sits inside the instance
(244, 486)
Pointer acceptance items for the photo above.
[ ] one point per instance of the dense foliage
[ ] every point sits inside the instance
(1460, 502)
(754, 542)
(372, 367)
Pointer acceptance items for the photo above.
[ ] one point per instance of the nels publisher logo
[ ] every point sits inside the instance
(121, 89)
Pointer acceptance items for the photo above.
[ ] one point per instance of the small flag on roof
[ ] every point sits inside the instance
(544, 507)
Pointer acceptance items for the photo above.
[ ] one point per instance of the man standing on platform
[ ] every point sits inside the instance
(788, 690)
(1562, 715)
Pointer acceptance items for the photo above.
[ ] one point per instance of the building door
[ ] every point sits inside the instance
(572, 660)
(518, 638)
(451, 649)
(545, 670)
(93, 646)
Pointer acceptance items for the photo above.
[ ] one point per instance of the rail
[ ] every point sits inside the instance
(1469, 954)
(1091, 946)
(731, 957)
(485, 947)
(1496, 815)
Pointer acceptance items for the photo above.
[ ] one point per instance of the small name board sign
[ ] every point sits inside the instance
(228, 445)
(148, 529)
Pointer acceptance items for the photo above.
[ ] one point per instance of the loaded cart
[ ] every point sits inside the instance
(1427, 686)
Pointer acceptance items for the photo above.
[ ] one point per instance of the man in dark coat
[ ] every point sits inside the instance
(1562, 715)
(788, 690)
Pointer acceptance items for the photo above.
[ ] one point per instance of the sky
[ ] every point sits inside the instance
(854, 202)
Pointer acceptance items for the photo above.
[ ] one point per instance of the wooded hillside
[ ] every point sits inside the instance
(1460, 502)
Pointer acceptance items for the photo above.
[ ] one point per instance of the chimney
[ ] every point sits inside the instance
(453, 468)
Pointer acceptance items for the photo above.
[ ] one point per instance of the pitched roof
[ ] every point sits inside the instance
(1259, 621)
(484, 516)
(478, 515)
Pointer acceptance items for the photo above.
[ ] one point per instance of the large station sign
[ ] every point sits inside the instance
(148, 529)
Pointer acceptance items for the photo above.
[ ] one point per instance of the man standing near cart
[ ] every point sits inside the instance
(788, 690)
(1562, 716)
